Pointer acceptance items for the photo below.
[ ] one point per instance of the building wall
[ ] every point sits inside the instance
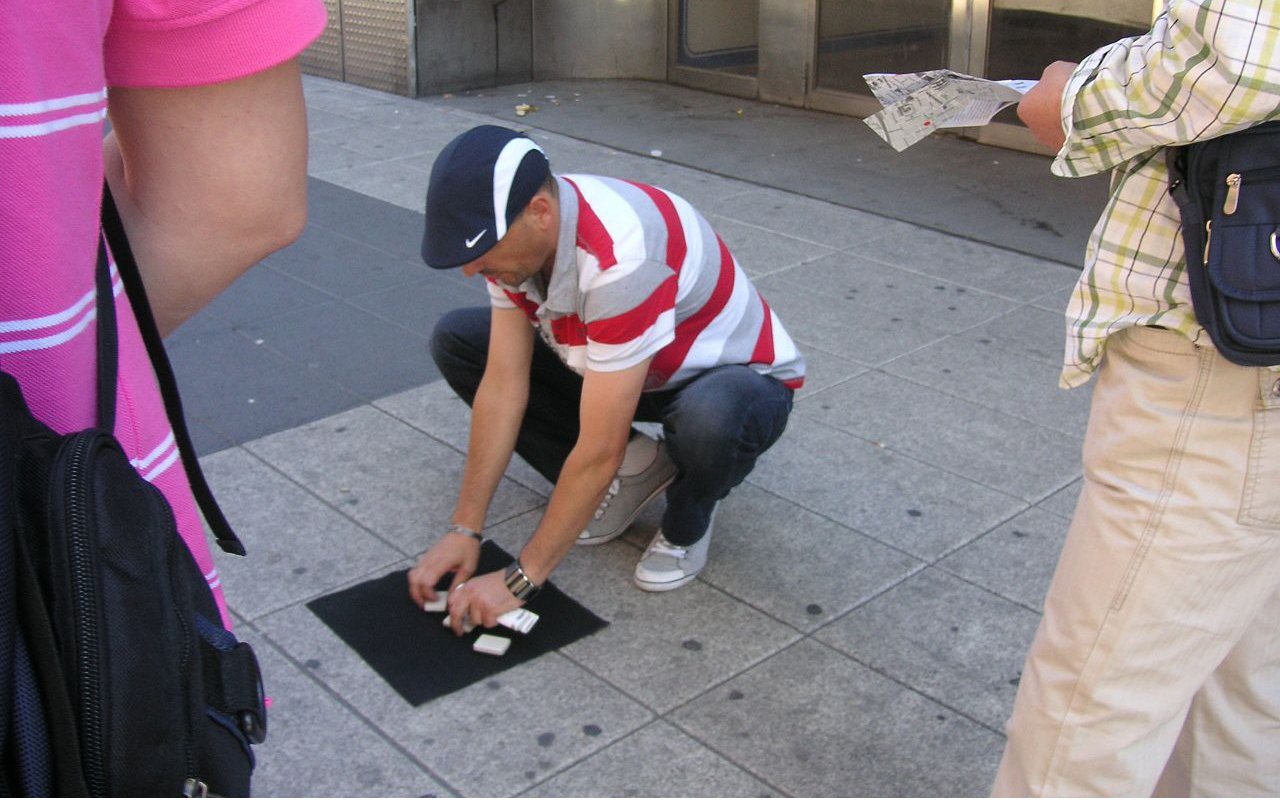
(600, 39)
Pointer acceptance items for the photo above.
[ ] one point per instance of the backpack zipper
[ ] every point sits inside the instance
(84, 587)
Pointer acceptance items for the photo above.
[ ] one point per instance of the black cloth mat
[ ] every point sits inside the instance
(418, 656)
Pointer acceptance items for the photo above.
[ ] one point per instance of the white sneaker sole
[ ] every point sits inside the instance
(595, 540)
(666, 586)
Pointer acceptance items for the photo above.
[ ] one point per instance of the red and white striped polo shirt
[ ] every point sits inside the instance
(639, 273)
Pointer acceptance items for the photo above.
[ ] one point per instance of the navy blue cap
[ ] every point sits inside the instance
(480, 183)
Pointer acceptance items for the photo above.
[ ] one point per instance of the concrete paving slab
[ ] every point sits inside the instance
(470, 739)
(1022, 458)
(656, 761)
(813, 722)
(387, 228)
(1016, 560)
(945, 638)
(205, 439)
(793, 564)
(900, 501)
(383, 474)
(706, 192)
(300, 546)
(317, 745)
(342, 266)
(909, 298)
(262, 293)
(662, 648)
(242, 390)
(419, 306)
(336, 340)
(822, 370)
(1029, 331)
(1063, 501)
(326, 156)
(319, 120)
(813, 220)
(568, 154)
(824, 320)
(418, 139)
(980, 266)
(435, 410)
(761, 252)
(973, 367)
(401, 182)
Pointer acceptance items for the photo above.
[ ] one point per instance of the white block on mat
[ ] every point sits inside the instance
(467, 627)
(492, 645)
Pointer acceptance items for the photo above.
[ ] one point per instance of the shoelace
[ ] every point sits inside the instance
(614, 487)
(662, 547)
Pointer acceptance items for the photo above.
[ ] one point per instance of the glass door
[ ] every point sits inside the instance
(715, 45)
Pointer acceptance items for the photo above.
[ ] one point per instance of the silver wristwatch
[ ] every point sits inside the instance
(518, 582)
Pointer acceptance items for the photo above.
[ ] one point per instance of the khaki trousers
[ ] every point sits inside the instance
(1156, 666)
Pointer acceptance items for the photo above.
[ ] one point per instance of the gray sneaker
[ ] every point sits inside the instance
(646, 471)
(666, 566)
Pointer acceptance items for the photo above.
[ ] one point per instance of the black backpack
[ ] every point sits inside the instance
(116, 674)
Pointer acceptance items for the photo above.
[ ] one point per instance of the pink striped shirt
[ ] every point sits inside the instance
(56, 61)
(639, 273)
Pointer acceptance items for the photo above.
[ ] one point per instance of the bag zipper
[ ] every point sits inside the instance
(1236, 180)
(84, 588)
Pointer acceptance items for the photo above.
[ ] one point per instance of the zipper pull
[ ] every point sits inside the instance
(1208, 234)
(1233, 194)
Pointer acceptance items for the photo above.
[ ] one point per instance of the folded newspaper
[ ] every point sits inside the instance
(918, 103)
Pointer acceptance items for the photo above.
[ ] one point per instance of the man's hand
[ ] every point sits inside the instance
(1041, 107)
(456, 553)
(481, 601)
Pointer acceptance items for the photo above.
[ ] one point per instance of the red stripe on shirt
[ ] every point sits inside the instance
(668, 360)
(633, 324)
(569, 330)
(676, 245)
(592, 235)
(522, 300)
(763, 354)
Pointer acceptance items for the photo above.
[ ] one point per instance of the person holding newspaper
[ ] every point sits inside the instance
(1156, 666)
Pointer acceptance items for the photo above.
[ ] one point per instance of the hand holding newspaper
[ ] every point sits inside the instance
(918, 103)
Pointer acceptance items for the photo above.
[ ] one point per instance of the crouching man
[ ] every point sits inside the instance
(610, 302)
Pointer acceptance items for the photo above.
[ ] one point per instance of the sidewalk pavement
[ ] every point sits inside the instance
(873, 585)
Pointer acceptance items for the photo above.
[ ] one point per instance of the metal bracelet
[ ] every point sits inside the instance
(465, 531)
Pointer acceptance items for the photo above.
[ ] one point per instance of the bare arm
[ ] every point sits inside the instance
(209, 180)
(1041, 107)
(607, 410)
(496, 414)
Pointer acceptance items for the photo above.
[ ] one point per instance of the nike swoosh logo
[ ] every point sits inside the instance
(472, 241)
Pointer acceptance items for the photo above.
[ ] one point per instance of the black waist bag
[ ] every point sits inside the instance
(1228, 191)
(116, 674)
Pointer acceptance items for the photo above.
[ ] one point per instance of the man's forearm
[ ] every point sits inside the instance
(583, 481)
(495, 422)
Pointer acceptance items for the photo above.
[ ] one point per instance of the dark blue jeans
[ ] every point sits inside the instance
(716, 425)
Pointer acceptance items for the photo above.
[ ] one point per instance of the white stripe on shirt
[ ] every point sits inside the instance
(53, 104)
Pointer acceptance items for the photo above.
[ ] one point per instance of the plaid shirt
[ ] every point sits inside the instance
(1206, 68)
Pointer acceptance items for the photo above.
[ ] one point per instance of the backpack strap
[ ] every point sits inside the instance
(108, 360)
(113, 227)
